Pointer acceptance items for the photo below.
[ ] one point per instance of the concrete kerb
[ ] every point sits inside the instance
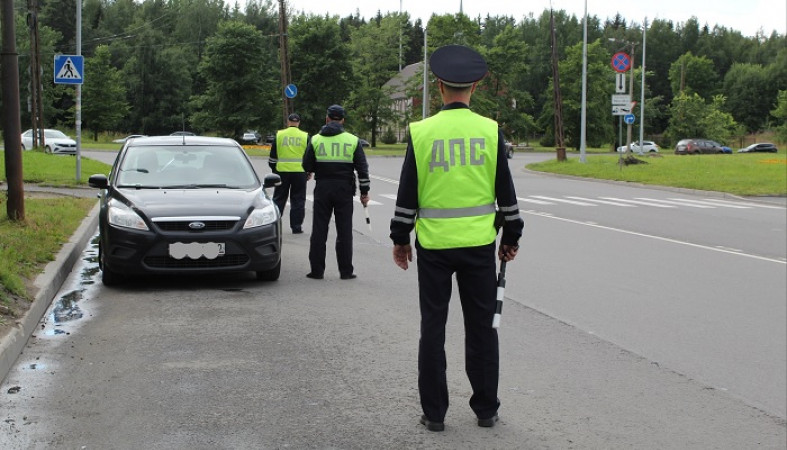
(47, 284)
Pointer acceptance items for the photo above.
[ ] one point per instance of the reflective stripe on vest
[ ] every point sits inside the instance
(290, 147)
(456, 162)
(339, 148)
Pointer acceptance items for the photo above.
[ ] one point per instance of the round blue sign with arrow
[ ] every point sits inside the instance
(291, 91)
(629, 118)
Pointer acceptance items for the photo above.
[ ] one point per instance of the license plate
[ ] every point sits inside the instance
(196, 250)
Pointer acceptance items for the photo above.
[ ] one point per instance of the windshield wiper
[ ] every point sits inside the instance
(137, 186)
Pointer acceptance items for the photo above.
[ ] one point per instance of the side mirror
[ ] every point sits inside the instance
(98, 181)
(271, 180)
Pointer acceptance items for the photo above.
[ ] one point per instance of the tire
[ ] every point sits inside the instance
(271, 274)
(47, 149)
(109, 277)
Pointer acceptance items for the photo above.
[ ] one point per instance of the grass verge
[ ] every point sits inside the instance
(758, 174)
(27, 246)
(55, 170)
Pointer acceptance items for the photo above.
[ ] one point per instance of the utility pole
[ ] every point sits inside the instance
(285, 60)
(36, 102)
(560, 146)
(12, 127)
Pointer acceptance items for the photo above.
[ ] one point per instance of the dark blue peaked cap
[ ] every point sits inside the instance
(457, 65)
(336, 112)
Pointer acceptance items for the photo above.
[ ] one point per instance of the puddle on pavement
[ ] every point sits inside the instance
(69, 305)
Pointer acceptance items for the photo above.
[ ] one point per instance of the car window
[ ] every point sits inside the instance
(54, 134)
(185, 166)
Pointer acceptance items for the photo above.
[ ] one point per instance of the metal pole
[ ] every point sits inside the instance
(583, 126)
(79, 93)
(642, 89)
(425, 106)
(631, 93)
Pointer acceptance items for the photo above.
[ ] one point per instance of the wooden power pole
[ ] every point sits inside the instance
(11, 122)
(284, 55)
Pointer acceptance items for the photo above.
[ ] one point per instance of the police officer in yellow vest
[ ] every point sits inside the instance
(455, 170)
(334, 156)
(286, 158)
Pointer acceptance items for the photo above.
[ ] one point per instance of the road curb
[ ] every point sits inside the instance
(48, 284)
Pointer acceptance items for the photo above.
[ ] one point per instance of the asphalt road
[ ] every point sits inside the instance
(623, 327)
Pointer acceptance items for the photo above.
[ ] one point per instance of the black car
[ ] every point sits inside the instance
(697, 146)
(759, 147)
(186, 205)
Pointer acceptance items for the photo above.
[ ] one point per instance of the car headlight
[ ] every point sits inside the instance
(121, 215)
(261, 216)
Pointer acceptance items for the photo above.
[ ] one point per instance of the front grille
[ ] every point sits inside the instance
(166, 262)
(210, 225)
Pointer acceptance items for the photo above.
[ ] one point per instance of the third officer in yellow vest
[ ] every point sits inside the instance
(454, 178)
(334, 156)
(285, 159)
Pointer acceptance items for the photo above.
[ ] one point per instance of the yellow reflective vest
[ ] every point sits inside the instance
(339, 148)
(290, 146)
(456, 161)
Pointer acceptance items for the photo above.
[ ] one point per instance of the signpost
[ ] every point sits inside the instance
(291, 91)
(621, 62)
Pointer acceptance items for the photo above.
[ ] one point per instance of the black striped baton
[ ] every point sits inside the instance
(501, 289)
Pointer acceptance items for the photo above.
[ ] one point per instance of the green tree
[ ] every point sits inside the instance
(749, 96)
(599, 129)
(507, 61)
(104, 103)
(320, 65)
(780, 114)
(375, 50)
(236, 99)
(692, 116)
(690, 74)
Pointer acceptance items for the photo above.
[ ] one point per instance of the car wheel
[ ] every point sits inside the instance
(47, 149)
(108, 276)
(271, 274)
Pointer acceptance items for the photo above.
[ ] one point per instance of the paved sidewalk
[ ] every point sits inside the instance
(49, 282)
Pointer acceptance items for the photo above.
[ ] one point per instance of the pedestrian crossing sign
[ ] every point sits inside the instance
(69, 69)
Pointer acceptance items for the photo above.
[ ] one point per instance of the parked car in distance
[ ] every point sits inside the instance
(509, 150)
(251, 137)
(269, 139)
(725, 149)
(182, 133)
(55, 142)
(186, 205)
(364, 143)
(124, 139)
(697, 146)
(759, 147)
(647, 147)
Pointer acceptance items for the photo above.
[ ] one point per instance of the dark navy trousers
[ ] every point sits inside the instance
(332, 197)
(475, 270)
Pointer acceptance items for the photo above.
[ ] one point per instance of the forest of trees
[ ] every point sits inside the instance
(155, 66)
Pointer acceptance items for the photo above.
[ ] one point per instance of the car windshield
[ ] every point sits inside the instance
(55, 134)
(185, 167)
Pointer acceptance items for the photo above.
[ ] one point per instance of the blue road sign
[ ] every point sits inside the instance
(621, 62)
(291, 91)
(69, 69)
(629, 118)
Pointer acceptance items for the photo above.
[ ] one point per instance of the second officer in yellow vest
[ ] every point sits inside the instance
(286, 159)
(334, 156)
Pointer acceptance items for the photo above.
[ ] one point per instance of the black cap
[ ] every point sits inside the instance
(294, 117)
(336, 112)
(457, 65)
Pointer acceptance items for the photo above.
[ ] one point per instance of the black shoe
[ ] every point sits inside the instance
(488, 423)
(432, 426)
(297, 231)
(314, 276)
(348, 276)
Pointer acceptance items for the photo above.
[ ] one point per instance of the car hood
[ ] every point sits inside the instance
(195, 202)
(62, 141)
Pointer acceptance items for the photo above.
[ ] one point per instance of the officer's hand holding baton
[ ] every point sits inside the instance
(505, 253)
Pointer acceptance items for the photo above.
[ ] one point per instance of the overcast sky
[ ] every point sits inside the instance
(746, 16)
